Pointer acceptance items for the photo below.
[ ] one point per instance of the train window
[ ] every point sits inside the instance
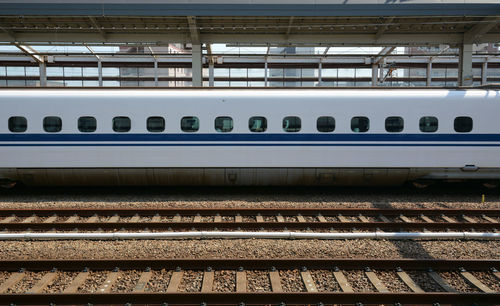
(190, 124)
(52, 124)
(121, 124)
(463, 124)
(325, 124)
(18, 124)
(360, 124)
(257, 124)
(155, 124)
(291, 124)
(428, 124)
(223, 124)
(394, 124)
(87, 124)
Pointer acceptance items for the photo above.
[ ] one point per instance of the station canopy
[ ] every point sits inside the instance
(251, 22)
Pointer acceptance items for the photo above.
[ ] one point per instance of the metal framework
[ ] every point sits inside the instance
(271, 23)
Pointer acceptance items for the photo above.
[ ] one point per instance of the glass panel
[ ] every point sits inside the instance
(15, 71)
(190, 124)
(394, 124)
(156, 124)
(87, 124)
(223, 124)
(18, 124)
(325, 124)
(52, 124)
(360, 124)
(121, 124)
(463, 124)
(257, 124)
(428, 124)
(291, 124)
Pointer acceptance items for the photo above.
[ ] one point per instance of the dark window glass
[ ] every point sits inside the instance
(190, 124)
(87, 124)
(360, 124)
(223, 124)
(463, 124)
(325, 124)
(291, 124)
(156, 124)
(18, 124)
(428, 124)
(257, 124)
(394, 124)
(121, 124)
(52, 124)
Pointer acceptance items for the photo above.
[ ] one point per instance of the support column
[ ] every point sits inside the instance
(265, 73)
(156, 72)
(211, 78)
(484, 73)
(465, 76)
(374, 75)
(197, 66)
(99, 72)
(42, 66)
(429, 74)
(320, 77)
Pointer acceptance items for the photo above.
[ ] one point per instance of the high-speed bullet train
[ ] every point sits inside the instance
(248, 136)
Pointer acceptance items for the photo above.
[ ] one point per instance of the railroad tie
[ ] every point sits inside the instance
(448, 219)
(241, 281)
(76, 283)
(259, 218)
(342, 218)
(109, 282)
(93, 219)
(218, 218)
(12, 281)
(405, 219)
(176, 218)
(409, 281)
(301, 218)
(441, 282)
(426, 219)
(208, 281)
(342, 281)
(376, 282)
(491, 220)
(43, 282)
(135, 218)
(321, 218)
(280, 218)
(8, 219)
(143, 281)
(175, 280)
(476, 282)
(308, 281)
(29, 219)
(238, 218)
(363, 219)
(274, 276)
(71, 219)
(114, 219)
(50, 219)
(156, 218)
(197, 218)
(468, 219)
(384, 219)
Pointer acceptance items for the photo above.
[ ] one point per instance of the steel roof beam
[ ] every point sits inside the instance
(254, 39)
(97, 26)
(383, 28)
(480, 29)
(31, 52)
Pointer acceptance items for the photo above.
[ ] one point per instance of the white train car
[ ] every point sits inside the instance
(248, 136)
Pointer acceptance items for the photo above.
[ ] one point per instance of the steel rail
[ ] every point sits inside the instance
(184, 226)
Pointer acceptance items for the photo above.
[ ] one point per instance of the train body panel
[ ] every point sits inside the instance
(270, 157)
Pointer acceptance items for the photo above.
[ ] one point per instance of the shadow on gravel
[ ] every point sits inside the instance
(442, 193)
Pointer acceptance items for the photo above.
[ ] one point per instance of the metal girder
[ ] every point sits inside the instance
(195, 34)
(31, 52)
(383, 28)
(10, 33)
(382, 53)
(289, 28)
(480, 29)
(98, 27)
(253, 39)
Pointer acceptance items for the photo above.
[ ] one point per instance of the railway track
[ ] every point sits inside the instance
(325, 219)
(249, 281)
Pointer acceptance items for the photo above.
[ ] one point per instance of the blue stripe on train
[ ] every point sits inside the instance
(248, 144)
(264, 137)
